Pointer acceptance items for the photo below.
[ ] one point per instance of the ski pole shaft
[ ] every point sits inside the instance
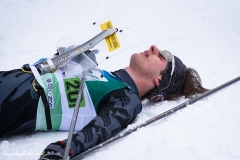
(74, 118)
(154, 119)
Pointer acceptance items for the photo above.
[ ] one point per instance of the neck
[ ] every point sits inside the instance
(141, 82)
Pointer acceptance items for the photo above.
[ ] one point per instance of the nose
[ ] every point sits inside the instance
(154, 49)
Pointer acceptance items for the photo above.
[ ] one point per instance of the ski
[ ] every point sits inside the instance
(154, 119)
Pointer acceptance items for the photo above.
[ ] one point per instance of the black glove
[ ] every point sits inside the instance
(54, 151)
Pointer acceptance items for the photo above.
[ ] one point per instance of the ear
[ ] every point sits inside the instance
(156, 81)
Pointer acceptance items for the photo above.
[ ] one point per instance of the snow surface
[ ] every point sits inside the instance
(204, 34)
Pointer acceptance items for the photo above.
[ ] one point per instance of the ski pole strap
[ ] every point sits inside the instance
(46, 106)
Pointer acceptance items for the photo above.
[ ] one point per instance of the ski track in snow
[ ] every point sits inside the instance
(204, 34)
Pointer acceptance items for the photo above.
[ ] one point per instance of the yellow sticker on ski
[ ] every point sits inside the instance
(112, 40)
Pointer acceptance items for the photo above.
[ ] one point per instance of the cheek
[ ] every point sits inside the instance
(156, 67)
(162, 66)
(154, 71)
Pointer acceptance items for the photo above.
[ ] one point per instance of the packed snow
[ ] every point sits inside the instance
(204, 34)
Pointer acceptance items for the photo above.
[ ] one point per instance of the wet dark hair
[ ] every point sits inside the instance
(192, 86)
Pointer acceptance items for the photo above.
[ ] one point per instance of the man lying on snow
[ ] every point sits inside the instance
(112, 100)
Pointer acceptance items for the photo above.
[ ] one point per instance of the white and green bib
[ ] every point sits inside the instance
(62, 94)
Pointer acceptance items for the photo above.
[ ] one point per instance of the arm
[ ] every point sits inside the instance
(115, 112)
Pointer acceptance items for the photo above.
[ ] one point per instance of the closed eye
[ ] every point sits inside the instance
(161, 57)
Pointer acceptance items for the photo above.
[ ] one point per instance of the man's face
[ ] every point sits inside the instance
(149, 63)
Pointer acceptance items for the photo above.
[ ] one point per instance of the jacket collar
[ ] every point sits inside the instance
(126, 78)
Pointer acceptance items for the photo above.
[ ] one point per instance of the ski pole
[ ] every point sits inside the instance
(74, 118)
(50, 65)
(154, 119)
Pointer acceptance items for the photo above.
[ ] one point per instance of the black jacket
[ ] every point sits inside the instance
(19, 101)
(115, 112)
